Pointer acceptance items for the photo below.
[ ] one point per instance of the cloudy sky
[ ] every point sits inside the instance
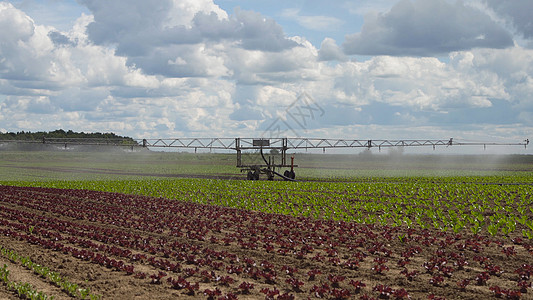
(368, 69)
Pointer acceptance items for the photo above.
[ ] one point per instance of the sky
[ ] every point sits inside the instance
(366, 69)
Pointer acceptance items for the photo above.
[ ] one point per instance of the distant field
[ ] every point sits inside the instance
(110, 165)
(40, 165)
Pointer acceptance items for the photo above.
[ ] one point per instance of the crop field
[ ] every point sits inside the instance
(78, 227)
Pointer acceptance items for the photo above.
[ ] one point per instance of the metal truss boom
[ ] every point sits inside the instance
(305, 143)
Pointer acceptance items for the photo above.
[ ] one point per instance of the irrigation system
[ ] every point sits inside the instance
(267, 166)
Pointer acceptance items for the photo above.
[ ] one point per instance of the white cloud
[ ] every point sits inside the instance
(183, 12)
(330, 51)
(513, 69)
(318, 23)
(21, 59)
(429, 84)
(15, 24)
(154, 35)
(426, 28)
(364, 7)
(517, 12)
(274, 96)
(260, 67)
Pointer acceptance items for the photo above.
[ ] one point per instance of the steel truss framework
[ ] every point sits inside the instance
(304, 143)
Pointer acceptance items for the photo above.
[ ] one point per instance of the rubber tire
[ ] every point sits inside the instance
(292, 175)
(256, 175)
(250, 175)
(287, 174)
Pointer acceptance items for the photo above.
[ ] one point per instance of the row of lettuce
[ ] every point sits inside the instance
(23, 289)
(456, 205)
(26, 290)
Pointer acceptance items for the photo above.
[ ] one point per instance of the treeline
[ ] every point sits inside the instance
(60, 133)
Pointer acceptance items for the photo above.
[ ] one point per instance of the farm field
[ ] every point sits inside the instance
(112, 165)
(464, 231)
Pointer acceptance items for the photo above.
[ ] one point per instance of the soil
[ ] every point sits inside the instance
(242, 245)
